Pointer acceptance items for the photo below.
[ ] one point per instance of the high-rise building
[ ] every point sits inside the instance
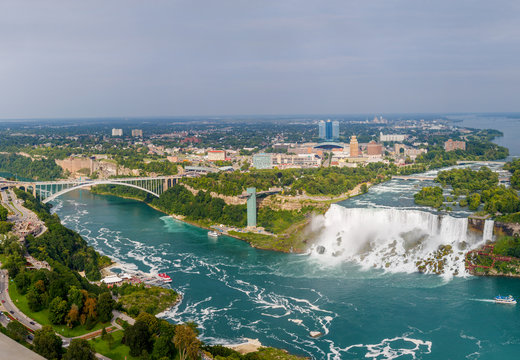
(328, 130)
(117, 132)
(335, 130)
(321, 129)
(137, 132)
(354, 147)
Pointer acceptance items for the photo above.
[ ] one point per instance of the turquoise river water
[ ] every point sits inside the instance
(357, 285)
(360, 290)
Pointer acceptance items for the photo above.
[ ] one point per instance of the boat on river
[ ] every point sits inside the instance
(505, 300)
(213, 234)
(165, 278)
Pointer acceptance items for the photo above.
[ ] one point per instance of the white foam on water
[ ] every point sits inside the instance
(393, 239)
(387, 349)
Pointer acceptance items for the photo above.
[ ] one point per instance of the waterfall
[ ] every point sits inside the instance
(394, 240)
(487, 233)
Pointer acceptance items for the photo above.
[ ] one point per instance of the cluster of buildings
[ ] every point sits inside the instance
(285, 161)
(135, 132)
(328, 130)
(117, 280)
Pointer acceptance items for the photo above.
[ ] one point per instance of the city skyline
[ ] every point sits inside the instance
(180, 59)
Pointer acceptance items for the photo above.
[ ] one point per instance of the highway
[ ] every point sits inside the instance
(9, 306)
(24, 219)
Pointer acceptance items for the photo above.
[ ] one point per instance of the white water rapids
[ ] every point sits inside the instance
(394, 240)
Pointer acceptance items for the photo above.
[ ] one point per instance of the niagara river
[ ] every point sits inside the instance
(361, 292)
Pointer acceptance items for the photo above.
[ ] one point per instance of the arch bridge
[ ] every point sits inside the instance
(49, 190)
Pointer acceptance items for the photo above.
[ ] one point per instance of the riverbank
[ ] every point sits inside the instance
(294, 238)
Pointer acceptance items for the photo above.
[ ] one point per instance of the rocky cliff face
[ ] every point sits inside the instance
(509, 229)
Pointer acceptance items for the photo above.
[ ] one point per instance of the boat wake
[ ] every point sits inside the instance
(394, 240)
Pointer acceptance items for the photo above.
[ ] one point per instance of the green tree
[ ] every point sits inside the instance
(35, 299)
(22, 281)
(47, 343)
(150, 320)
(474, 201)
(58, 310)
(138, 338)
(186, 342)
(17, 331)
(79, 349)
(163, 347)
(105, 305)
(76, 296)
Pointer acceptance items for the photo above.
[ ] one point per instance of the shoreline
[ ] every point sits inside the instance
(193, 223)
(300, 226)
(249, 346)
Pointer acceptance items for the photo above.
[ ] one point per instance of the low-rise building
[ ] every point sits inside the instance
(413, 153)
(374, 149)
(216, 155)
(391, 137)
(451, 145)
(262, 161)
(283, 161)
(112, 280)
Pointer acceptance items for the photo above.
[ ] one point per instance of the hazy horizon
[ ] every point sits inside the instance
(231, 58)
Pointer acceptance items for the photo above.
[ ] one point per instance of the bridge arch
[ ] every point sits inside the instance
(93, 183)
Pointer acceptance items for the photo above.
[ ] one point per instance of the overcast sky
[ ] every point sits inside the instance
(136, 58)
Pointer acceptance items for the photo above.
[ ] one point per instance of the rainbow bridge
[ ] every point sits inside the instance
(49, 190)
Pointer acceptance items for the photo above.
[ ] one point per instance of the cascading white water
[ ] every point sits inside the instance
(487, 233)
(394, 240)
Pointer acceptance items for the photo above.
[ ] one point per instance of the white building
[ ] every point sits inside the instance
(112, 280)
(391, 137)
(117, 132)
(135, 133)
(216, 155)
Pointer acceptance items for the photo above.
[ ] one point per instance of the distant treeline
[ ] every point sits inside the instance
(43, 169)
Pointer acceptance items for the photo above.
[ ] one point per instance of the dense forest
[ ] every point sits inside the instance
(514, 168)
(322, 181)
(179, 200)
(43, 169)
(5, 226)
(472, 188)
(61, 244)
(430, 196)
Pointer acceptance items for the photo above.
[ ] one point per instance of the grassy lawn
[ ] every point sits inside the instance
(42, 317)
(118, 350)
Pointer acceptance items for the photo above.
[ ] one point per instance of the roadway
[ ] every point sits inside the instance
(10, 307)
(21, 217)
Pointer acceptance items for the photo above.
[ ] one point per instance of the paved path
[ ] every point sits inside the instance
(118, 314)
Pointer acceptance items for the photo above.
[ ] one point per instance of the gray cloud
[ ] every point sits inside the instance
(131, 58)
